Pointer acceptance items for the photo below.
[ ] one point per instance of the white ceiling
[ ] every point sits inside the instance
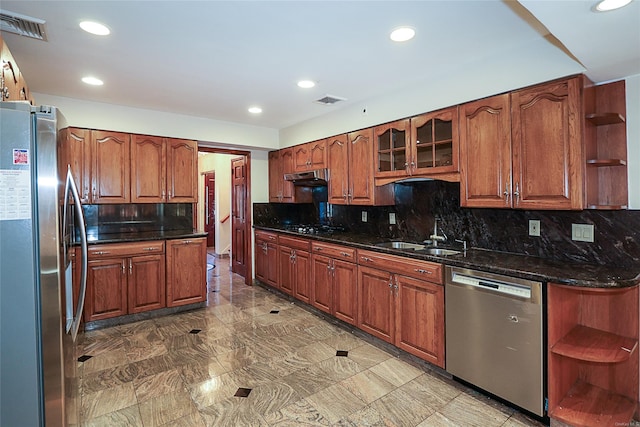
(216, 58)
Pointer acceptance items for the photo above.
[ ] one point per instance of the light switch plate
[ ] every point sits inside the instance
(364, 216)
(534, 227)
(582, 232)
(392, 218)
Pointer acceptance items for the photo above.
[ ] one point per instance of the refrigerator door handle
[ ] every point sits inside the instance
(71, 186)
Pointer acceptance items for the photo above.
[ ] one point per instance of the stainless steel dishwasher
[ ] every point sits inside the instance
(494, 335)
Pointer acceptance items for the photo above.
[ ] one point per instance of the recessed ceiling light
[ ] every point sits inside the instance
(607, 5)
(402, 34)
(255, 110)
(92, 81)
(95, 28)
(306, 84)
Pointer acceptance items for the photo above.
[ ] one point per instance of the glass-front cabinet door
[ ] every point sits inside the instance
(434, 137)
(392, 149)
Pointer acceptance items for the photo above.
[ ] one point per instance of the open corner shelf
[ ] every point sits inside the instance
(600, 119)
(593, 345)
(606, 162)
(589, 405)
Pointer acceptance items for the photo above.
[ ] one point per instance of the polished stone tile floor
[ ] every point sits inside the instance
(253, 358)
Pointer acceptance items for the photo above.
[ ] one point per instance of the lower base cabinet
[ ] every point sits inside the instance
(186, 271)
(146, 289)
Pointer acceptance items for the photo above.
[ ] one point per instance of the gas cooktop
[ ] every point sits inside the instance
(313, 229)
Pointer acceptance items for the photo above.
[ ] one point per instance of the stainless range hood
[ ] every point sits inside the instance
(314, 178)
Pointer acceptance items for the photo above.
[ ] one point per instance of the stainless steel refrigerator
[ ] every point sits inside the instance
(38, 322)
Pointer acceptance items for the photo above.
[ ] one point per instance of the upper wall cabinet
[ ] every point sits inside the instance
(310, 156)
(13, 87)
(423, 146)
(524, 150)
(113, 167)
(351, 171)
(281, 191)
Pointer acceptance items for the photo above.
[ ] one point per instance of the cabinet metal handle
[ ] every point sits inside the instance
(517, 193)
(345, 254)
(318, 248)
(186, 242)
(422, 271)
(130, 267)
(506, 193)
(123, 267)
(366, 259)
(150, 249)
(101, 253)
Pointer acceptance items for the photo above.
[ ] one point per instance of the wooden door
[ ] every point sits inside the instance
(75, 152)
(110, 174)
(285, 268)
(148, 169)
(485, 153)
(547, 148)
(146, 284)
(301, 160)
(321, 283)
(276, 177)
(318, 154)
(338, 164)
(210, 207)
(182, 171)
(288, 166)
(186, 271)
(392, 149)
(420, 318)
(106, 294)
(239, 215)
(376, 311)
(302, 276)
(360, 190)
(345, 286)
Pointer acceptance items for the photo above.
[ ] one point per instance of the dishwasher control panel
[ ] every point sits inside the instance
(503, 287)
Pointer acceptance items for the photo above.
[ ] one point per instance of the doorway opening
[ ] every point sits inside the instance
(224, 206)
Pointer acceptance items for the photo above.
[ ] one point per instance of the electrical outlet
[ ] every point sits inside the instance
(364, 216)
(582, 232)
(392, 218)
(534, 227)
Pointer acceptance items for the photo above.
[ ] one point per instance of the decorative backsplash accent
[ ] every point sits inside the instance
(617, 233)
(132, 217)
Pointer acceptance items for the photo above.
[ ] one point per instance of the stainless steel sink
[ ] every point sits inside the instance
(439, 251)
(401, 245)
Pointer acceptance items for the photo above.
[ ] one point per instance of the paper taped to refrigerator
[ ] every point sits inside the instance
(15, 194)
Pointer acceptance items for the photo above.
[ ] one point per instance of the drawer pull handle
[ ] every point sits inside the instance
(318, 249)
(421, 271)
(367, 259)
(186, 242)
(345, 254)
(101, 253)
(150, 249)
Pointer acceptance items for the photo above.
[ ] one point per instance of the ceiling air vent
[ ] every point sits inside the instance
(329, 100)
(22, 25)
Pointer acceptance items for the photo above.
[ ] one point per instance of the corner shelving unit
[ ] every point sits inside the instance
(592, 355)
(606, 146)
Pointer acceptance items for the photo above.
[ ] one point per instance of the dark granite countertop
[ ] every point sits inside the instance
(517, 265)
(95, 238)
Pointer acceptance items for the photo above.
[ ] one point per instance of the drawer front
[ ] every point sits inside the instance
(431, 271)
(266, 236)
(294, 243)
(112, 250)
(334, 251)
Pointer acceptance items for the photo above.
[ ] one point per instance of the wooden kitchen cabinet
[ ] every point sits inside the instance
(182, 171)
(9, 74)
(266, 257)
(592, 355)
(351, 169)
(110, 171)
(393, 152)
(310, 156)
(294, 267)
(539, 163)
(148, 169)
(281, 191)
(186, 271)
(124, 278)
(402, 302)
(333, 281)
(74, 150)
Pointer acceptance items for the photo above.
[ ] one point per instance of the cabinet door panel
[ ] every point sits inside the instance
(75, 152)
(485, 154)
(106, 289)
(376, 313)
(420, 319)
(276, 177)
(302, 266)
(318, 154)
(186, 271)
(392, 149)
(338, 161)
(148, 169)
(301, 158)
(146, 288)
(345, 285)
(321, 285)
(285, 267)
(547, 149)
(110, 173)
(361, 167)
(182, 171)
